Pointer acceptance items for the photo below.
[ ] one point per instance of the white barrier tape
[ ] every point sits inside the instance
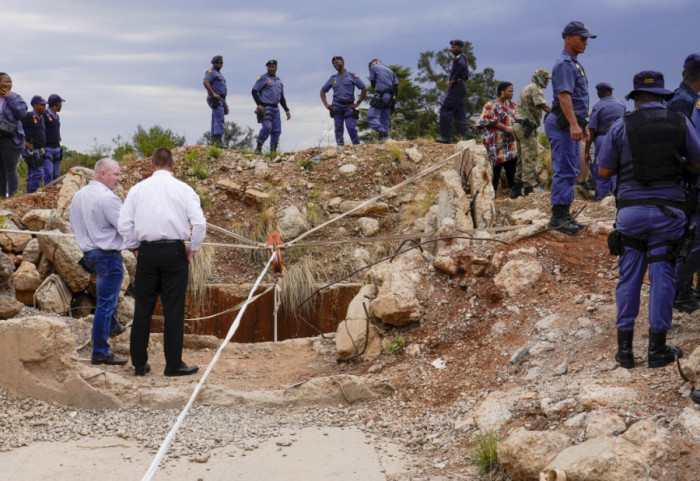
(169, 438)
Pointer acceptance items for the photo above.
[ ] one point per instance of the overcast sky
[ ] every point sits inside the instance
(121, 64)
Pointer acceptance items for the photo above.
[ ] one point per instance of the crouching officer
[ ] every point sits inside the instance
(34, 143)
(386, 89)
(268, 93)
(344, 108)
(215, 84)
(646, 148)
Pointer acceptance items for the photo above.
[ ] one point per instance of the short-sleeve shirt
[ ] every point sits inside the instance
(344, 86)
(217, 82)
(568, 76)
(269, 88)
(615, 153)
(52, 123)
(683, 100)
(385, 78)
(34, 129)
(529, 102)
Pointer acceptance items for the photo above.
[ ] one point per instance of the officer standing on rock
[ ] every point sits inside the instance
(568, 125)
(34, 143)
(215, 84)
(646, 150)
(454, 106)
(268, 93)
(344, 108)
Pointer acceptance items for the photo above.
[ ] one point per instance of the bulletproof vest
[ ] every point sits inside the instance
(656, 138)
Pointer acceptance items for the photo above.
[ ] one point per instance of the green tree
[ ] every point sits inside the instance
(433, 72)
(122, 148)
(147, 141)
(235, 137)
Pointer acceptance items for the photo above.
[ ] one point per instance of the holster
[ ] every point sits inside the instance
(377, 102)
(33, 158)
(563, 123)
(260, 116)
(615, 245)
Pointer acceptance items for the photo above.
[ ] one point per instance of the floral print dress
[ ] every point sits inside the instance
(499, 145)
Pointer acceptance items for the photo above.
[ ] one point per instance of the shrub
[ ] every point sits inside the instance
(397, 344)
(485, 454)
(147, 141)
(199, 170)
(213, 151)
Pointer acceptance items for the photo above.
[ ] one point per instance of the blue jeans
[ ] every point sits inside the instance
(109, 269)
(565, 162)
(648, 223)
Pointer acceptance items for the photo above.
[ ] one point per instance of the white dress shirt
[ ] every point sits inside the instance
(94, 214)
(162, 207)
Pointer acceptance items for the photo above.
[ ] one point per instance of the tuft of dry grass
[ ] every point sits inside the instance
(419, 206)
(298, 283)
(200, 267)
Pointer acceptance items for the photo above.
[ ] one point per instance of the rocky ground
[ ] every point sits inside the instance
(516, 338)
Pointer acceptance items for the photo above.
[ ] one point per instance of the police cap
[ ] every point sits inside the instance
(576, 28)
(55, 98)
(456, 43)
(38, 99)
(649, 81)
(337, 57)
(271, 62)
(217, 58)
(692, 61)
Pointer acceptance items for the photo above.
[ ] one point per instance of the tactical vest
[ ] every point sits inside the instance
(656, 138)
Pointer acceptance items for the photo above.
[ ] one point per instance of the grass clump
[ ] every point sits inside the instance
(213, 151)
(192, 156)
(199, 171)
(396, 152)
(485, 453)
(397, 344)
(298, 283)
(199, 269)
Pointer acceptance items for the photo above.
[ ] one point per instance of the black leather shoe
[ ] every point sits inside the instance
(117, 330)
(111, 360)
(527, 191)
(142, 370)
(182, 370)
(440, 140)
(695, 396)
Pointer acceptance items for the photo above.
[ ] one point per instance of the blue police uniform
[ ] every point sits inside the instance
(35, 134)
(52, 151)
(683, 100)
(656, 223)
(218, 85)
(454, 106)
(567, 76)
(386, 87)
(604, 113)
(268, 91)
(344, 95)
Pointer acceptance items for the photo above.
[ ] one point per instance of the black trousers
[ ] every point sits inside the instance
(510, 166)
(9, 156)
(161, 269)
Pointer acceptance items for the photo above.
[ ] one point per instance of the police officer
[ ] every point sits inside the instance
(645, 148)
(695, 116)
(454, 106)
(386, 90)
(567, 127)
(604, 113)
(53, 152)
(268, 93)
(34, 142)
(215, 83)
(528, 118)
(344, 109)
(688, 92)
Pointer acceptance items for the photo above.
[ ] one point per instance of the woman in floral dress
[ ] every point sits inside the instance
(495, 126)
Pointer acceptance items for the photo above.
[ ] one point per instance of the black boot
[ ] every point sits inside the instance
(273, 148)
(527, 191)
(575, 222)
(258, 149)
(695, 396)
(685, 301)
(660, 354)
(441, 140)
(516, 190)
(624, 349)
(559, 218)
(216, 140)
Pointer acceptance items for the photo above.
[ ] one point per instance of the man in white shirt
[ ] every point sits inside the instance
(94, 213)
(155, 222)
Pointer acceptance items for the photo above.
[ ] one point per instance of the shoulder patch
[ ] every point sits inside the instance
(259, 77)
(540, 90)
(357, 76)
(209, 71)
(697, 105)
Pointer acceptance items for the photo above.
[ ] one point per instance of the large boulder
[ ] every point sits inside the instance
(397, 282)
(32, 252)
(518, 275)
(64, 254)
(454, 203)
(11, 241)
(525, 453)
(609, 458)
(36, 219)
(26, 282)
(73, 181)
(357, 334)
(53, 295)
(9, 307)
(291, 223)
(476, 174)
(7, 275)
